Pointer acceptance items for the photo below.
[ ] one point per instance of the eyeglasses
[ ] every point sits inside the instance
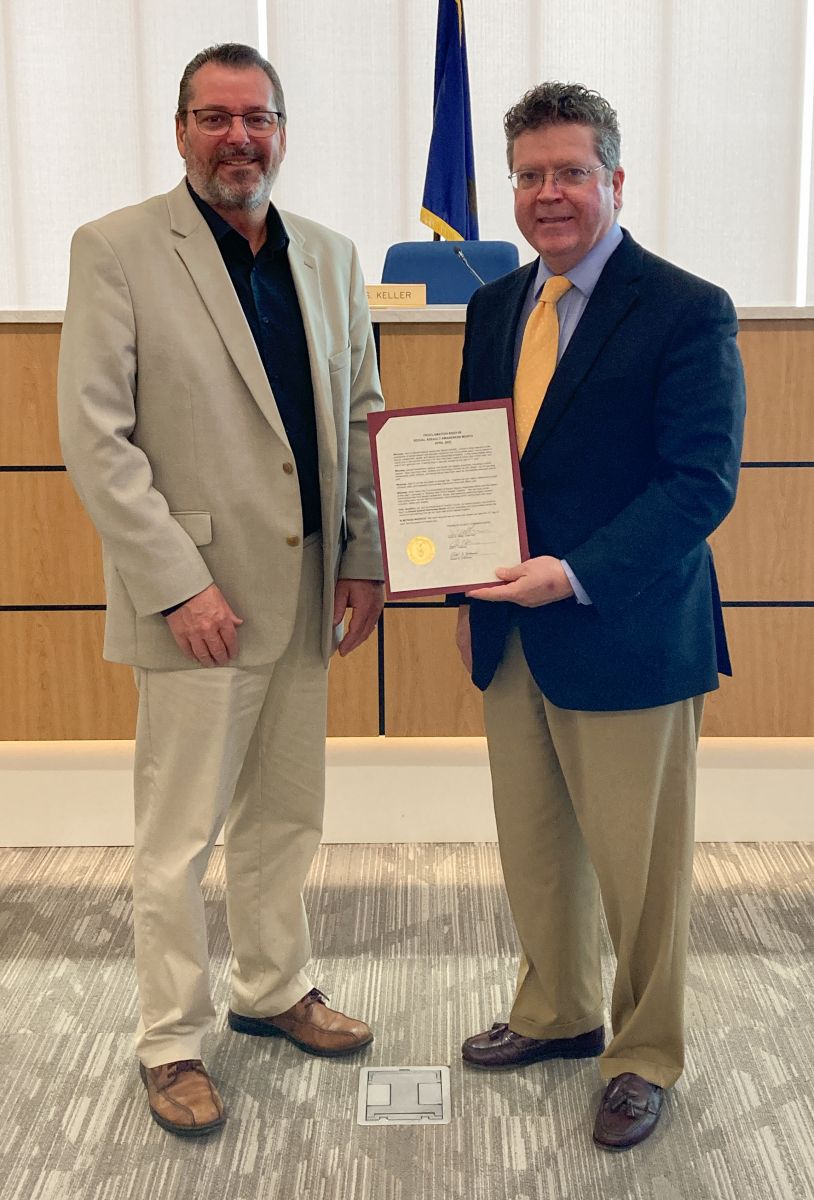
(215, 121)
(565, 178)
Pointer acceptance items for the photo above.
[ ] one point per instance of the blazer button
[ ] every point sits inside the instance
(288, 468)
(293, 540)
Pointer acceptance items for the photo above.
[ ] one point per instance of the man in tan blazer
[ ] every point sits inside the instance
(216, 371)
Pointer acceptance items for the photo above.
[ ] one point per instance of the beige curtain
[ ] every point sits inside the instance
(712, 101)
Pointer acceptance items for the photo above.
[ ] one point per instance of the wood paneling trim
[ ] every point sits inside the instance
(28, 387)
(51, 550)
(765, 550)
(54, 684)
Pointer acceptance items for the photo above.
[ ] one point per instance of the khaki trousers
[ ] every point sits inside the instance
(594, 805)
(247, 746)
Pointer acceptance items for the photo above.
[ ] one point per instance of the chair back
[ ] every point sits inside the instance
(449, 280)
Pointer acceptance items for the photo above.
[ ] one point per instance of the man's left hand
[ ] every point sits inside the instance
(532, 583)
(366, 598)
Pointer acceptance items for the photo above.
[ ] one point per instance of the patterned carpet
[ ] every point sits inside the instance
(418, 940)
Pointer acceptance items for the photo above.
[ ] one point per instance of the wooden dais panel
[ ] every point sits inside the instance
(778, 359)
(54, 684)
(420, 364)
(770, 693)
(765, 550)
(51, 553)
(28, 387)
(428, 692)
(353, 692)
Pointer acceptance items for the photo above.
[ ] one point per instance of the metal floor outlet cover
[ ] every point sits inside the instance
(404, 1096)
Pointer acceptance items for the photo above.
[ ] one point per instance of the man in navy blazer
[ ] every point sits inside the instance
(595, 654)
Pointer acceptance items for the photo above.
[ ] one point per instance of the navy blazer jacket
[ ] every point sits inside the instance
(632, 463)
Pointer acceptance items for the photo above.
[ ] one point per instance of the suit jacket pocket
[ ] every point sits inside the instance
(197, 524)
(338, 362)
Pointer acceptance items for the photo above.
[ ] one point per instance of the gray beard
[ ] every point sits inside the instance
(207, 184)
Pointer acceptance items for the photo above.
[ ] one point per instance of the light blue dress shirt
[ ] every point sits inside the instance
(570, 307)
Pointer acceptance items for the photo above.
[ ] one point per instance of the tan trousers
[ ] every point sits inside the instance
(247, 746)
(590, 805)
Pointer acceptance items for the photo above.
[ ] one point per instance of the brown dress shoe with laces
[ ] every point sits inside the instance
(309, 1024)
(183, 1099)
(500, 1047)
(628, 1112)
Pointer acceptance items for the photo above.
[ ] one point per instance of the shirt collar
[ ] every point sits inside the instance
(585, 275)
(276, 236)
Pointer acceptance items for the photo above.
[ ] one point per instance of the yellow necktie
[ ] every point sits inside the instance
(538, 358)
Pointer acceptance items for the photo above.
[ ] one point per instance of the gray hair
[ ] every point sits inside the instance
(228, 54)
(562, 103)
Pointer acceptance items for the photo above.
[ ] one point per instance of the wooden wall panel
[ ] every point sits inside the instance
(769, 696)
(427, 599)
(51, 553)
(54, 684)
(770, 693)
(778, 358)
(353, 692)
(428, 693)
(420, 364)
(28, 388)
(765, 548)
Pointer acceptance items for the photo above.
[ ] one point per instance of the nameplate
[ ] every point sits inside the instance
(396, 295)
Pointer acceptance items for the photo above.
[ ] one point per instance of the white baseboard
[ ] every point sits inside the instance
(395, 790)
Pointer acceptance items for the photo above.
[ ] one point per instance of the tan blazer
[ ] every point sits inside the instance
(173, 439)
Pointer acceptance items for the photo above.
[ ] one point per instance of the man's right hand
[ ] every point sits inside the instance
(205, 628)
(463, 637)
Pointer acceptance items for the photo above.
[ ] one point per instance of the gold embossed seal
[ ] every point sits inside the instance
(421, 550)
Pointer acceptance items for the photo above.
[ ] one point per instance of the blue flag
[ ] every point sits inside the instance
(450, 206)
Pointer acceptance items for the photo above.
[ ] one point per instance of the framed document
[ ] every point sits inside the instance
(449, 496)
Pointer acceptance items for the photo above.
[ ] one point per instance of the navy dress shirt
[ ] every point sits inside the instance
(265, 289)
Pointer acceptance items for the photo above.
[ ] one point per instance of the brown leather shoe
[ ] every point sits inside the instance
(309, 1024)
(628, 1112)
(501, 1047)
(182, 1097)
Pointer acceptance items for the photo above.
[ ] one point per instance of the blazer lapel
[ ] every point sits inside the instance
(199, 252)
(613, 295)
(305, 273)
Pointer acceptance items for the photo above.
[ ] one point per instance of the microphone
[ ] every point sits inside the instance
(459, 252)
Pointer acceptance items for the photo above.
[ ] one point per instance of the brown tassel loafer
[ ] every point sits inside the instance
(182, 1097)
(309, 1024)
(628, 1112)
(500, 1047)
